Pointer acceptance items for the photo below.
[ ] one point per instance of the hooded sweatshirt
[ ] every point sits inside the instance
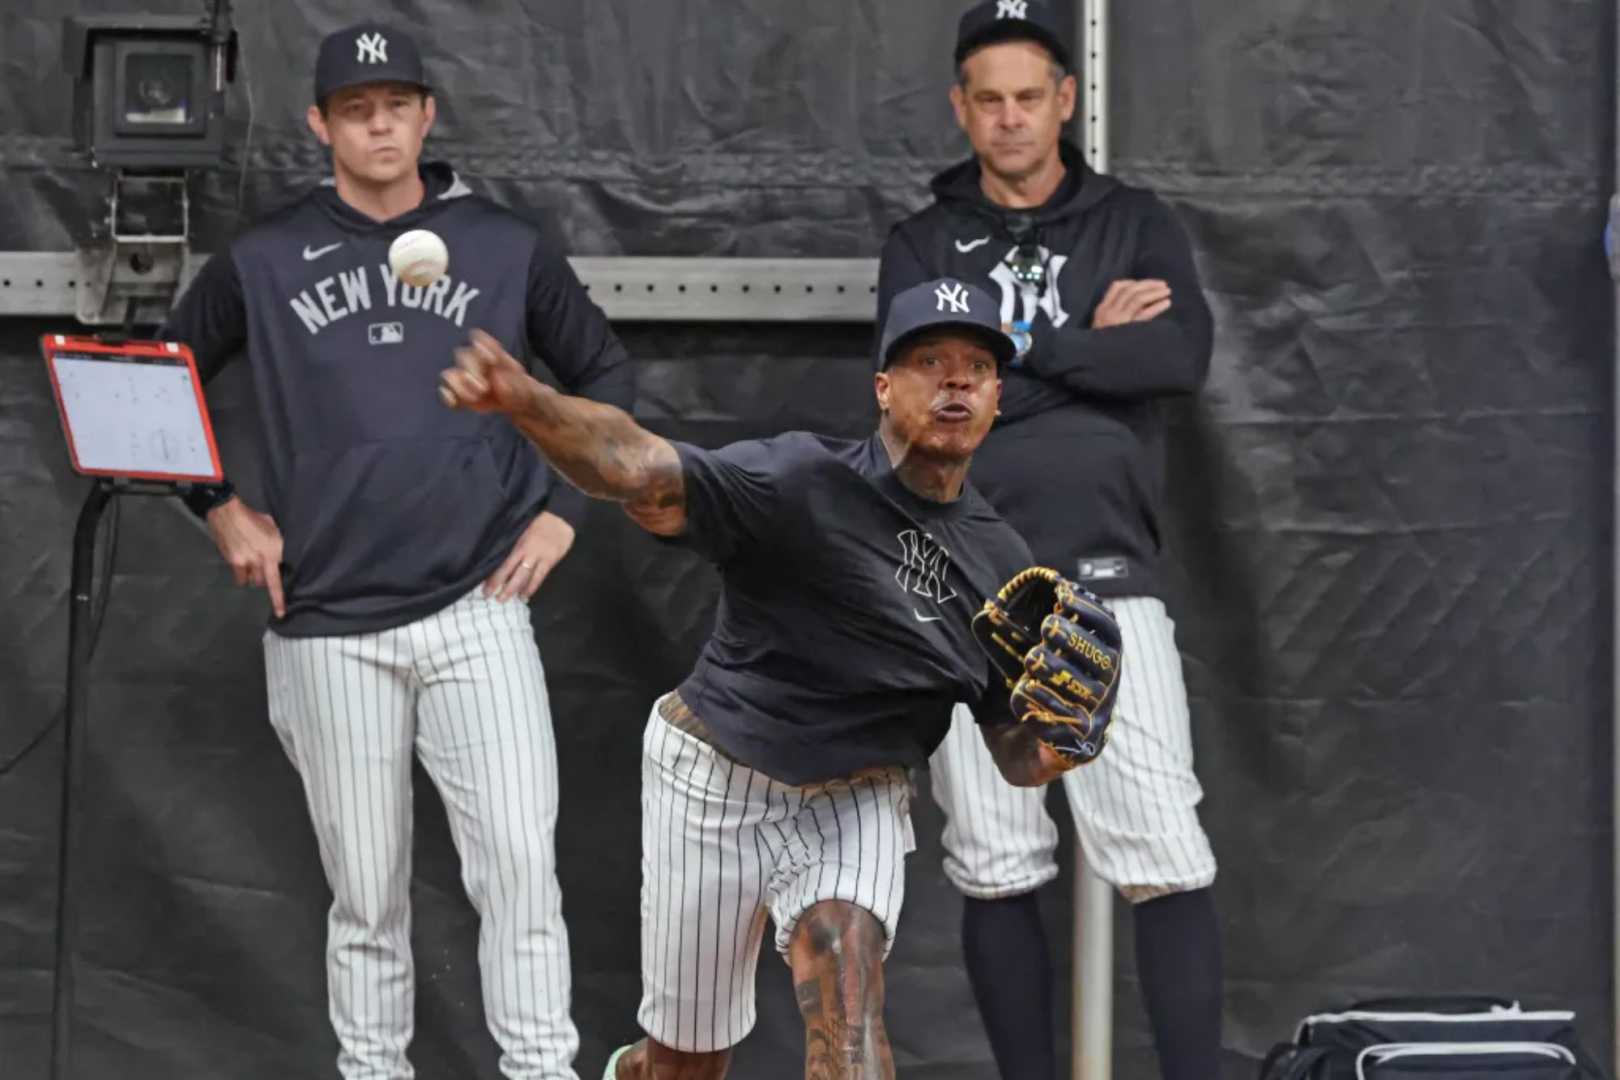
(391, 506)
(1076, 461)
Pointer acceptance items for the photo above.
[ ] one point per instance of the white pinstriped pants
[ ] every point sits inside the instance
(1135, 808)
(722, 845)
(463, 689)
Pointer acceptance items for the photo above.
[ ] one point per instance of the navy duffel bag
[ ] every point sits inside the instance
(1450, 1038)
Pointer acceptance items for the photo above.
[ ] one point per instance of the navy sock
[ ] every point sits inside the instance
(1009, 964)
(1178, 956)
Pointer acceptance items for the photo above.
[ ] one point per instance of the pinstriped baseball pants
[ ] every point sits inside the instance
(1135, 808)
(464, 690)
(722, 846)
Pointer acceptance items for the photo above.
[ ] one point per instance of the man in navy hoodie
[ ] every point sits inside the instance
(395, 540)
(1097, 285)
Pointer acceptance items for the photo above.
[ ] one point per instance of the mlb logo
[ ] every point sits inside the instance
(385, 333)
(1103, 569)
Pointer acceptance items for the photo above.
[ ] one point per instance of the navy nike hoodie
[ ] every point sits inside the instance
(1076, 461)
(392, 506)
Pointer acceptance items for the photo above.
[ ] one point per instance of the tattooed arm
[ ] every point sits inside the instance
(598, 447)
(1024, 760)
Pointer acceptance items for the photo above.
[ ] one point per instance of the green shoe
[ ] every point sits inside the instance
(612, 1070)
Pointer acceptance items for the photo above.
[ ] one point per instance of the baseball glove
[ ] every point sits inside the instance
(1059, 650)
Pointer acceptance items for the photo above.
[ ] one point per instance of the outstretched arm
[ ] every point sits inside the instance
(1024, 760)
(597, 447)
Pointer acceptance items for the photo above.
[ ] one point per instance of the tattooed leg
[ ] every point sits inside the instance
(651, 1060)
(837, 960)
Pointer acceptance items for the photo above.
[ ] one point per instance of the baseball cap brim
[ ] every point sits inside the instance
(372, 80)
(1000, 345)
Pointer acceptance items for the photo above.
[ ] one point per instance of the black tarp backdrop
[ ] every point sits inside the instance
(1392, 506)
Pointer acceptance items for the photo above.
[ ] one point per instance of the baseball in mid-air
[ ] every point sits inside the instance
(418, 257)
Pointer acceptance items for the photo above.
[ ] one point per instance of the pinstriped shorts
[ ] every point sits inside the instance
(723, 847)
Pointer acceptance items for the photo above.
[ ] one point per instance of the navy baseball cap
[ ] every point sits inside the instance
(1010, 20)
(945, 303)
(366, 52)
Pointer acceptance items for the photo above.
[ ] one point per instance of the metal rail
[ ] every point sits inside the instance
(628, 288)
(1614, 667)
(1093, 992)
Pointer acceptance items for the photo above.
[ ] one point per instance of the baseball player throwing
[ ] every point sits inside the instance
(395, 530)
(774, 778)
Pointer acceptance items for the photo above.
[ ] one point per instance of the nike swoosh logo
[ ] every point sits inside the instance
(925, 618)
(971, 244)
(311, 254)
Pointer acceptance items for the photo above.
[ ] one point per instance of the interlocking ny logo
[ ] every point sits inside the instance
(371, 48)
(952, 294)
(923, 565)
(1012, 9)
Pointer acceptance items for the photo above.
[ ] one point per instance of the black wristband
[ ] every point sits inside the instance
(204, 497)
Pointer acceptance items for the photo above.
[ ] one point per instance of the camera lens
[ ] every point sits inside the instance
(157, 89)
(156, 94)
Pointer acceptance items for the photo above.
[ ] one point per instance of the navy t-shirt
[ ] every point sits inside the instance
(843, 635)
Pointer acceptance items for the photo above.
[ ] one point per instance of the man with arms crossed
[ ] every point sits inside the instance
(396, 535)
(1096, 281)
(774, 778)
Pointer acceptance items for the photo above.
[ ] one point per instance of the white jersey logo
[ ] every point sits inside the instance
(376, 290)
(1012, 9)
(952, 296)
(371, 48)
(923, 566)
(971, 245)
(1020, 301)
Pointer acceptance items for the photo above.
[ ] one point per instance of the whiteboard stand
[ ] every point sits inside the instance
(134, 418)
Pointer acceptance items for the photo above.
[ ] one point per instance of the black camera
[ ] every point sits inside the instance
(149, 90)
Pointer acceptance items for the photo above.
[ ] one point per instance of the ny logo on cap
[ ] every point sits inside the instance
(371, 48)
(1012, 9)
(953, 294)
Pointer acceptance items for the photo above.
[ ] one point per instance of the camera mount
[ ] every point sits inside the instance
(148, 106)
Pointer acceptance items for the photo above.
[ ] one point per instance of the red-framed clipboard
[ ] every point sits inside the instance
(132, 409)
